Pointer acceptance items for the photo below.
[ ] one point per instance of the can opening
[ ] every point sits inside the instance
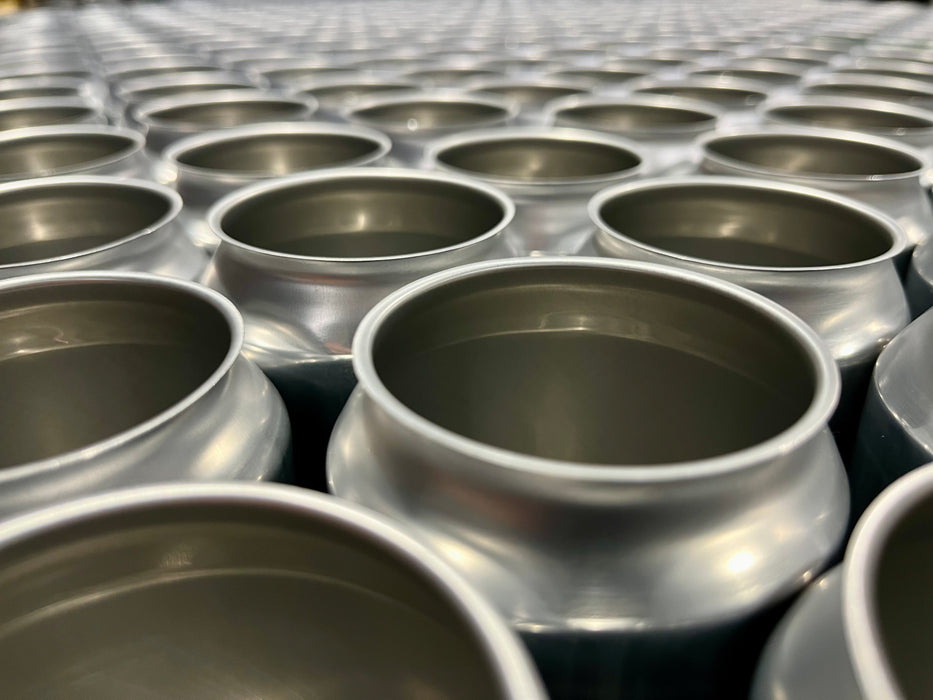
(854, 118)
(42, 155)
(82, 361)
(43, 116)
(427, 114)
(594, 365)
(633, 117)
(725, 97)
(225, 113)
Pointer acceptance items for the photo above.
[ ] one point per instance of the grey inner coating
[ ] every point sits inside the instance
(881, 92)
(813, 155)
(765, 76)
(806, 63)
(429, 114)
(42, 116)
(363, 217)
(595, 366)
(278, 154)
(156, 70)
(903, 608)
(889, 72)
(38, 91)
(228, 601)
(286, 74)
(453, 75)
(631, 117)
(338, 94)
(746, 226)
(82, 362)
(602, 76)
(849, 118)
(38, 155)
(729, 98)
(53, 73)
(230, 113)
(140, 96)
(45, 222)
(532, 94)
(534, 159)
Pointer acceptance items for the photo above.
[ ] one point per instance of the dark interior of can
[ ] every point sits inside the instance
(600, 76)
(227, 600)
(431, 114)
(531, 93)
(594, 365)
(634, 117)
(887, 72)
(813, 155)
(278, 153)
(83, 361)
(846, 117)
(746, 226)
(726, 97)
(38, 223)
(902, 605)
(43, 116)
(539, 158)
(363, 217)
(772, 77)
(30, 157)
(230, 112)
(39, 91)
(140, 96)
(878, 91)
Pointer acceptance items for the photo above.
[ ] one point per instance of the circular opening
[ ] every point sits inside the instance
(900, 604)
(229, 113)
(283, 75)
(880, 92)
(771, 77)
(362, 217)
(532, 94)
(853, 118)
(813, 155)
(428, 114)
(43, 116)
(150, 71)
(227, 585)
(145, 94)
(538, 158)
(805, 63)
(39, 91)
(750, 226)
(88, 360)
(341, 94)
(41, 155)
(278, 154)
(599, 76)
(887, 72)
(624, 118)
(729, 98)
(452, 75)
(594, 365)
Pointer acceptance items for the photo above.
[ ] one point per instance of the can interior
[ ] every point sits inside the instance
(623, 118)
(887, 72)
(338, 95)
(452, 75)
(431, 114)
(282, 75)
(43, 116)
(539, 158)
(900, 602)
(38, 91)
(772, 77)
(224, 113)
(363, 217)
(746, 226)
(594, 365)
(83, 361)
(877, 91)
(725, 97)
(600, 76)
(278, 153)
(150, 71)
(40, 155)
(813, 155)
(153, 93)
(229, 600)
(530, 93)
(854, 118)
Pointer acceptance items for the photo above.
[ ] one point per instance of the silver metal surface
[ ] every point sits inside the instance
(531, 95)
(510, 415)
(206, 167)
(902, 90)
(118, 379)
(305, 257)
(548, 172)
(896, 431)
(335, 95)
(872, 170)
(663, 127)
(93, 222)
(861, 632)
(169, 119)
(737, 98)
(233, 590)
(139, 90)
(412, 120)
(44, 151)
(24, 88)
(828, 259)
(919, 282)
(45, 111)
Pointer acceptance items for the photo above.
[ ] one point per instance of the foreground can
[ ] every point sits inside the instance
(206, 167)
(305, 257)
(548, 172)
(124, 379)
(639, 539)
(859, 632)
(236, 590)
